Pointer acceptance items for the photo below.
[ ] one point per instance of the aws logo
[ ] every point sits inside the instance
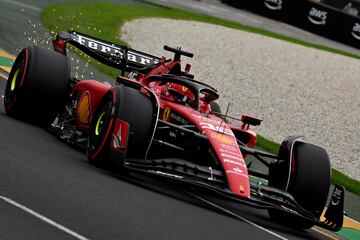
(356, 31)
(273, 4)
(317, 16)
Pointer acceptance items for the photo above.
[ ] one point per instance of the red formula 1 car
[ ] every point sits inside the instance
(159, 120)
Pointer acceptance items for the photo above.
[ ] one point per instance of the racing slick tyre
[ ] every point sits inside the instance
(129, 106)
(38, 85)
(309, 168)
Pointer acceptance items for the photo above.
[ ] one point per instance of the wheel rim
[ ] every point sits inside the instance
(12, 86)
(99, 124)
(13, 80)
(101, 128)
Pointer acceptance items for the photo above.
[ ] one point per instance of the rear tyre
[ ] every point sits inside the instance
(38, 85)
(309, 181)
(128, 105)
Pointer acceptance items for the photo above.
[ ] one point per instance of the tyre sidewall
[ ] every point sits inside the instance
(43, 88)
(309, 181)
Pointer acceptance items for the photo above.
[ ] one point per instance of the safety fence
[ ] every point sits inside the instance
(309, 15)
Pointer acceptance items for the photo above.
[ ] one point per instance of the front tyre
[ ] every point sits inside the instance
(135, 111)
(101, 126)
(308, 167)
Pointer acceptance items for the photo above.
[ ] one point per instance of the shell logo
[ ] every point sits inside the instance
(84, 110)
(223, 138)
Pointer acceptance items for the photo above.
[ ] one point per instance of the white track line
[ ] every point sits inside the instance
(43, 218)
(24, 5)
(237, 216)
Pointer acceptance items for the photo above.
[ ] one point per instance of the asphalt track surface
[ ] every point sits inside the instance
(49, 191)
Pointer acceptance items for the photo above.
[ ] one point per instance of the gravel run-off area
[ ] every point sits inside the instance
(294, 89)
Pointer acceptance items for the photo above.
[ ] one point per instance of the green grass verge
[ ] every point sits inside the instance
(351, 185)
(103, 20)
(267, 145)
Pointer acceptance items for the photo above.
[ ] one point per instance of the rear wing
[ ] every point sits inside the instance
(113, 55)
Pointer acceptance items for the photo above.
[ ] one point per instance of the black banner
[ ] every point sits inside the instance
(315, 17)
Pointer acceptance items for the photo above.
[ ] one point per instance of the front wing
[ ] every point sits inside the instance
(262, 196)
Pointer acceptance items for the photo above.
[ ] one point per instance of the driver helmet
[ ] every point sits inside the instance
(178, 93)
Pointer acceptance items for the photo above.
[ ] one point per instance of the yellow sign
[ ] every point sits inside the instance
(6, 61)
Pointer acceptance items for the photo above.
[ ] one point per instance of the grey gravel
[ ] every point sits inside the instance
(295, 89)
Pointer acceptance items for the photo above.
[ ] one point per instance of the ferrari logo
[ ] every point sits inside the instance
(166, 114)
(83, 110)
(184, 89)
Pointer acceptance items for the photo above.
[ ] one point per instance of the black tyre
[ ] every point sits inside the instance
(309, 181)
(128, 105)
(38, 85)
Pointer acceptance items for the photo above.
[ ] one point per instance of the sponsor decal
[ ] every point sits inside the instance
(237, 170)
(133, 75)
(231, 156)
(112, 50)
(235, 162)
(166, 114)
(119, 136)
(220, 129)
(227, 151)
(237, 173)
(117, 140)
(335, 198)
(356, 31)
(178, 118)
(166, 174)
(223, 138)
(273, 4)
(211, 178)
(84, 113)
(317, 16)
(206, 119)
(171, 134)
(229, 147)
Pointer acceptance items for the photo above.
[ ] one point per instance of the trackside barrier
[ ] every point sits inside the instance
(315, 17)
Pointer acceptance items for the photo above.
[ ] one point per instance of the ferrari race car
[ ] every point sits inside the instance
(156, 119)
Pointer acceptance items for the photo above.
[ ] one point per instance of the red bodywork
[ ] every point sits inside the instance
(193, 142)
(89, 93)
(220, 134)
